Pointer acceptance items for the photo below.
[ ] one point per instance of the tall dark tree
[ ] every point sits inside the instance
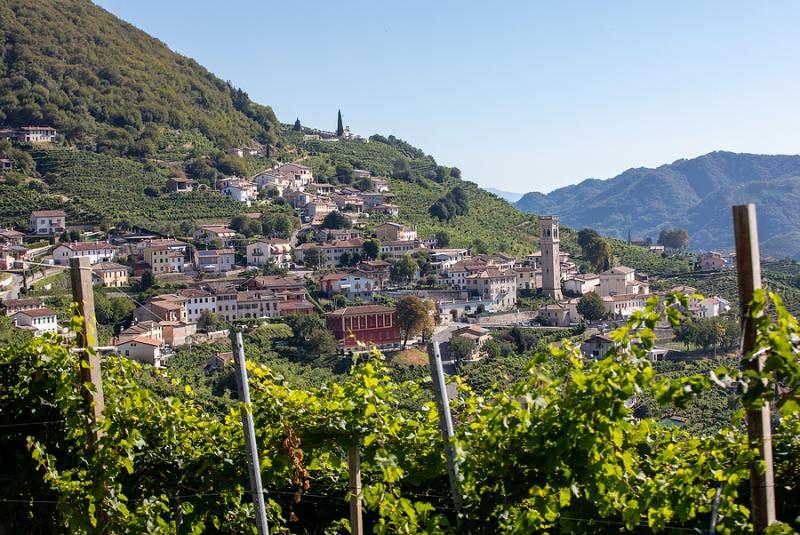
(339, 127)
(297, 126)
(591, 307)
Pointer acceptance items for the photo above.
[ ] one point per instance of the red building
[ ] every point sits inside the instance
(371, 325)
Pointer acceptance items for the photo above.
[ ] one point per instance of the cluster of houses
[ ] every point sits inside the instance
(314, 201)
(212, 274)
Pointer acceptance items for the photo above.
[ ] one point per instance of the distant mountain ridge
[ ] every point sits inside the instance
(510, 196)
(695, 194)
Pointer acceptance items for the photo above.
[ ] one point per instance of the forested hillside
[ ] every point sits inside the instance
(103, 83)
(695, 194)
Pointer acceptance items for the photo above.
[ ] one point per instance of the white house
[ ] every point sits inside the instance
(623, 305)
(379, 185)
(215, 260)
(38, 320)
(582, 284)
(240, 190)
(621, 280)
(300, 174)
(197, 302)
(96, 251)
(36, 134)
(274, 179)
(711, 307)
(142, 349)
(48, 221)
(498, 286)
(262, 252)
(443, 259)
(351, 285)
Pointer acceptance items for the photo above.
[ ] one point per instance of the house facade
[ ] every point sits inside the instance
(301, 175)
(110, 274)
(262, 252)
(36, 134)
(582, 284)
(364, 326)
(395, 232)
(181, 185)
(240, 190)
(621, 280)
(37, 320)
(142, 349)
(96, 251)
(198, 301)
(500, 287)
(712, 261)
(164, 259)
(45, 222)
(215, 260)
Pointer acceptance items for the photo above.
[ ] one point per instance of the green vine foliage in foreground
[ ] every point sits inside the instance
(559, 452)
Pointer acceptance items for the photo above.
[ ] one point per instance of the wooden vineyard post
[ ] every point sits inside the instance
(83, 295)
(356, 519)
(759, 433)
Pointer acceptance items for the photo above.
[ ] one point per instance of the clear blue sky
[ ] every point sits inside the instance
(522, 96)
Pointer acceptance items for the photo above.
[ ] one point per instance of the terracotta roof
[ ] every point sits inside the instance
(9, 303)
(144, 340)
(214, 252)
(357, 310)
(490, 274)
(11, 233)
(619, 269)
(109, 266)
(193, 292)
(38, 312)
(333, 276)
(375, 263)
(87, 246)
(48, 213)
(355, 242)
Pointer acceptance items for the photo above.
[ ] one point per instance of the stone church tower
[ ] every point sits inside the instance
(551, 256)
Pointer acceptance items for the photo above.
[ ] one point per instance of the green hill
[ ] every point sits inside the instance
(134, 113)
(105, 84)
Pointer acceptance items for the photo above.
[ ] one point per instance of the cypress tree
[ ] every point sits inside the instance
(297, 125)
(339, 127)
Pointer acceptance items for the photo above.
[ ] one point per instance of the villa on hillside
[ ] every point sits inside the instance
(48, 221)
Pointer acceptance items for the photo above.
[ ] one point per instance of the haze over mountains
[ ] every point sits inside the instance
(696, 194)
(510, 196)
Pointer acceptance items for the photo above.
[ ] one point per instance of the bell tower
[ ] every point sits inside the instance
(551, 256)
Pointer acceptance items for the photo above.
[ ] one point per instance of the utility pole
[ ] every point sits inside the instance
(354, 460)
(759, 433)
(445, 423)
(250, 446)
(83, 295)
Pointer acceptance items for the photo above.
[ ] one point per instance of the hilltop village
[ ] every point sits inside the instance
(390, 288)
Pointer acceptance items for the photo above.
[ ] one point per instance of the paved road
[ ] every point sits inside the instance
(12, 290)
